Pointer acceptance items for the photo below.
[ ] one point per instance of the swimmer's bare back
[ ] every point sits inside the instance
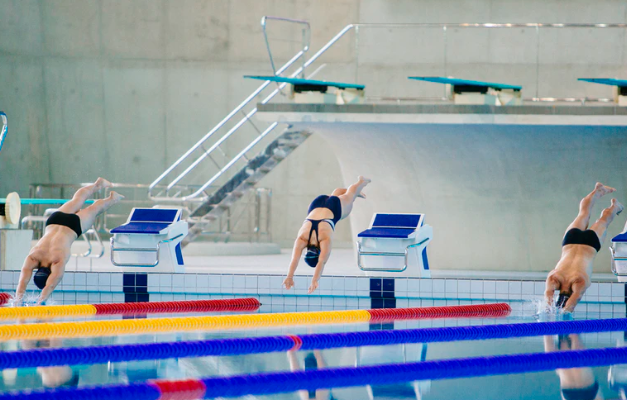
(52, 251)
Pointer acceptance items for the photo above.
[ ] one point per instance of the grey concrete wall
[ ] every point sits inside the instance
(121, 88)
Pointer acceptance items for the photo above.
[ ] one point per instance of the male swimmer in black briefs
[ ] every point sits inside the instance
(571, 275)
(63, 227)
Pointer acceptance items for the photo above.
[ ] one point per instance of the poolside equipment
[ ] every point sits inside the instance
(242, 321)
(394, 236)
(463, 91)
(151, 237)
(619, 88)
(319, 92)
(283, 382)
(10, 211)
(618, 251)
(71, 311)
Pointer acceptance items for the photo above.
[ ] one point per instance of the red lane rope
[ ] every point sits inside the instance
(4, 298)
(247, 304)
(476, 310)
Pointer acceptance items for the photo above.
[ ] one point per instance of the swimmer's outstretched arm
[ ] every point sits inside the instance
(54, 278)
(325, 253)
(30, 264)
(299, 246)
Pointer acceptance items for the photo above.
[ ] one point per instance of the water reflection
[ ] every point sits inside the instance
(575, 383)
(53, 377)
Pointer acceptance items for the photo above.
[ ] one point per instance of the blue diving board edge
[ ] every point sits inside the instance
(146, 228)
(606, 81)
(462, 82)
(304, 82)
(44, 201)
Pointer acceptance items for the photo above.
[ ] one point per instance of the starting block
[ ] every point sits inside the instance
(618, 252)
(463, 91)
(391, 236)
(620, 88)
(319, 92)
(150, 238)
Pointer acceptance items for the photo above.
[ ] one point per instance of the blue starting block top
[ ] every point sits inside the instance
(149, 221)
(606, 81)
(620, 238)
(306, 82)
(464, 82)
(393, 226)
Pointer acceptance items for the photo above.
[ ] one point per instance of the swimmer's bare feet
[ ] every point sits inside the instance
(601, 190)
(617, 208)
(361, 195)
(115, 197)
(362, 179)
(102, 183)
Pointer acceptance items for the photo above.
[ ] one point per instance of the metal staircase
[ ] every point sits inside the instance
(232, 178)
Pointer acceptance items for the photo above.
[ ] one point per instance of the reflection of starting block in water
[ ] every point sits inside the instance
(391, 236)
(398, 354)
(463, 91)
(620, 88)
(150, 238)
(619, 255)
(319, 92)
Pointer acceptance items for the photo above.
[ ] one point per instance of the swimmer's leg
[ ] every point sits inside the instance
(586, 204)
(73, 206)
(89, 214)
(607, 216)
(348, 198)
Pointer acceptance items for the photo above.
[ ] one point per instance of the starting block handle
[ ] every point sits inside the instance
(404, 254)
(143, 249)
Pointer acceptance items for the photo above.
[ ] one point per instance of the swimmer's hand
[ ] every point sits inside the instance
(313, 286)
(288, 283)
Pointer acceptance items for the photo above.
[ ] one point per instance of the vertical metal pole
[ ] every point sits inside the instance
(445, 33)
(258, 213)
(304, 46)
(269, 213)
(537, 61)
(357, 54)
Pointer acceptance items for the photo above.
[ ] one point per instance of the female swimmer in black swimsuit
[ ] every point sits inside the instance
(317, 231)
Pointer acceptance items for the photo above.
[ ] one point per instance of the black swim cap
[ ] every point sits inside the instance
(41, 277)
(311, 258)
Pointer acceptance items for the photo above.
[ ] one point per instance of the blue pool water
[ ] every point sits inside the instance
(543, 385)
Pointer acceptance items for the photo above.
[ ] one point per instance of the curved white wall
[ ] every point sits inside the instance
(498, 197)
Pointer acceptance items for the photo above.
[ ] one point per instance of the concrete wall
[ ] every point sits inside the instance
(121, 88)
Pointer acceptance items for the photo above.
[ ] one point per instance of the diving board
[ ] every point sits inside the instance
(44, 201)
(317, 91)
(620, 88)
(464, 91)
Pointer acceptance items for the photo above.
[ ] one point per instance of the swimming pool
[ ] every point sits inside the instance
(537, 385)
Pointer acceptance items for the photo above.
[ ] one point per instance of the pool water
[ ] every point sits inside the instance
(542, 385)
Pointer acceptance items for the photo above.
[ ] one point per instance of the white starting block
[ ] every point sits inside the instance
(618, 251)
(310, 91)
(150, 238)
(394, 236)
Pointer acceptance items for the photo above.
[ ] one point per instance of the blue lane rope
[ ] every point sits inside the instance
(283, 382)
(239, 346)
(5, 128)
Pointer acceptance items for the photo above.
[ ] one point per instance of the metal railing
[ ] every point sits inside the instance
(165, 196)
(249, 221)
